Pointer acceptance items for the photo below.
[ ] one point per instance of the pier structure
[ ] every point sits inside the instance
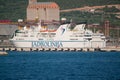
(3, 53)
(107, 49)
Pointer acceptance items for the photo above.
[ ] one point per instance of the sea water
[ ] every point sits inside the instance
(60, 66)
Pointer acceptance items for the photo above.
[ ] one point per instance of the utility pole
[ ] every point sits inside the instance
(107, 28)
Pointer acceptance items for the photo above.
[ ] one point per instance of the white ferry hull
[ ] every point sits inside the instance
(60, 44)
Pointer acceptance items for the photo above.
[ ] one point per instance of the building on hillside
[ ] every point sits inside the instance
(7, 30)
(47, 11)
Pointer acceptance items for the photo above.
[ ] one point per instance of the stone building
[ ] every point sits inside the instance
(47, 11)
(7, 30)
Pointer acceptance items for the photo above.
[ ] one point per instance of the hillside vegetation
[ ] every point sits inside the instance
(13, 9)
(16, 9)
(98, 16)
(68, 4)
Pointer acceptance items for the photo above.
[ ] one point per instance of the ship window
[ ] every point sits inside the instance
(87, 35)
(19, 39)
(40, 39)
(52, 33)
(43, 33)
(25, 35)
(89, 39)
(31, 35)
(73, 39)
(80, 35)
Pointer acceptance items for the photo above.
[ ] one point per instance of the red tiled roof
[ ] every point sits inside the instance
(5, 21)
(43, 5)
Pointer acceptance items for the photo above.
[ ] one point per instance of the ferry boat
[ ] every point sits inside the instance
(66, 36)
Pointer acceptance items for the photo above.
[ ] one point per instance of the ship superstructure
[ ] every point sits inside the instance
(66, 36)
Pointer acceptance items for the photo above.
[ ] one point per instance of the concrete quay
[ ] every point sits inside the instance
(107, 49)
(3, 53)
(111, 49)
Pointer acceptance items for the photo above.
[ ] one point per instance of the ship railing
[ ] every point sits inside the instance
(21, 35)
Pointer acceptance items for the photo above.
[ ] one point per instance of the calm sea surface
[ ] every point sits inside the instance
(60, 66)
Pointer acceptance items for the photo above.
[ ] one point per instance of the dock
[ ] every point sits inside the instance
(3, 53)
(107, 49)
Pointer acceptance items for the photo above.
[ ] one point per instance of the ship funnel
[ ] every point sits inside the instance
(62, 29)
(80, 27)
